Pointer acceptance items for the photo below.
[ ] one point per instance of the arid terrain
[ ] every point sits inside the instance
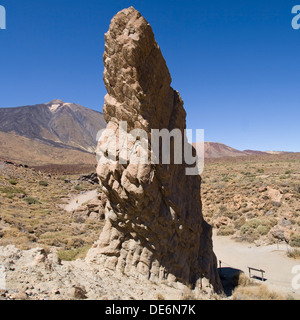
(238, 200)
(71, 228)
(254, 199)
(32, 210)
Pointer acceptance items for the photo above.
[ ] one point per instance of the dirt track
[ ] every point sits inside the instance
(79, 200)
(272, 259)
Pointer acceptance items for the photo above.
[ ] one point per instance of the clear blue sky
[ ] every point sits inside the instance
(235, 63)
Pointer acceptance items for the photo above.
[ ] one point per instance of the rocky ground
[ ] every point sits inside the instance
(254, 199)
(39, 274)
(54, 235)
(32, 211)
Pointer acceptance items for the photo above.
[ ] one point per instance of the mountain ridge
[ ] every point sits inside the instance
(220, 150)
(53, 130)
(56, 123)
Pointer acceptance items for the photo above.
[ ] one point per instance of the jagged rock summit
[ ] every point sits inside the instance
(154, 225)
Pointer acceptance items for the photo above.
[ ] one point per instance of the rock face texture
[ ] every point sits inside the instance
(154, 225)
(39, 274)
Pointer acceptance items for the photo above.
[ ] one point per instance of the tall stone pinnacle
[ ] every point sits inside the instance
(154, 225)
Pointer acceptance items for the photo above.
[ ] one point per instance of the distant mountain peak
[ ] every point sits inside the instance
(67, 125)
(56, 101)
(57, 104)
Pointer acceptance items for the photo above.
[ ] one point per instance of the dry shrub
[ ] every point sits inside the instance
(159, 296)
(295, 240)
(226, 231)
(295, 253)
(259, 292)
(247, 289)
(73, 254)
(242, 280)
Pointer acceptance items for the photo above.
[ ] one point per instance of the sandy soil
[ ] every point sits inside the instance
(272, 259)
(79, 200)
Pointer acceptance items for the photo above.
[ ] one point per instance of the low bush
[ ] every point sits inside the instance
(31, 200)
(295, 254)
(43, 183)
(263, 230)
(11, 191)
(73, 254)
(239, 222)
(245, 228)
(226, 231)
(260, 292)
(258, 227)
(254, 223)
(13, 182)
(295, 240)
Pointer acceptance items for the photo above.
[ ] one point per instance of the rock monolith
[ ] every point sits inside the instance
(154, 225)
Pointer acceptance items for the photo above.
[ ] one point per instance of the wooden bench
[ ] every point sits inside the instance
(258, 270)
